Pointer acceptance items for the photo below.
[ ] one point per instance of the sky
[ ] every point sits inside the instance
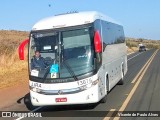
(140, 18)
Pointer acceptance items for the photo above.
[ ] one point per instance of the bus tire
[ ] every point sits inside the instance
(28, 103)
(121, 82)
(104, 99)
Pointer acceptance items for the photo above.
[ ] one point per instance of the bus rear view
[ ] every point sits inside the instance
(69, 61)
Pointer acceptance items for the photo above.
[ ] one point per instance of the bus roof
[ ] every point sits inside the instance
(70, 19)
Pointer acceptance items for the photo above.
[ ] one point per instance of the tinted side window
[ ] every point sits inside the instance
(97, 26)
(112, 33)
(119, 34)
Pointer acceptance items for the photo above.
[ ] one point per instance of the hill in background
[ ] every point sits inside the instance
(9, 40)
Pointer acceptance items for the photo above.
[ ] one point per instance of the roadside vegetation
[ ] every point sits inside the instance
(133, 43)
(13, 71)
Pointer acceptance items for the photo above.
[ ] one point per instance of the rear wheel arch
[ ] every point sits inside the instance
(104, 99)
(122, 69)
(121, 82)
(107, 82)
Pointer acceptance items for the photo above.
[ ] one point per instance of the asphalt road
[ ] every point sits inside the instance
(145, 98)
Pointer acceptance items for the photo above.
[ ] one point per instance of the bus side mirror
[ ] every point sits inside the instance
(21, 48)
(97, 42)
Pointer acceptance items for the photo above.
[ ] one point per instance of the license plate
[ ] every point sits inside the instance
(61, 99)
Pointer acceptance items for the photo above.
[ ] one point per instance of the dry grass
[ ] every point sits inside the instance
(11, 63)
(9, 40)
(12, 70)
(132, 42)
(17, 75)
(132, 49)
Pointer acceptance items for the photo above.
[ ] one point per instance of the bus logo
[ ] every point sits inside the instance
(60, 92)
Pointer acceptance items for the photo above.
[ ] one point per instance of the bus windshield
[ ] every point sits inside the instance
(64, 53)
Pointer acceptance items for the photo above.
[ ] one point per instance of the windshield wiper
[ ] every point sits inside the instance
(46, 73)
(70, 70)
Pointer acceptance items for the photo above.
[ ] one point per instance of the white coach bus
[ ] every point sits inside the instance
(84, 55)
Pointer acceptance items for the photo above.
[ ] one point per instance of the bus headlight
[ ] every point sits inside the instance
(35, 89)
(95, 82)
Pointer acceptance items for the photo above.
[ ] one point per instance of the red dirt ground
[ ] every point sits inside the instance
(9, 95)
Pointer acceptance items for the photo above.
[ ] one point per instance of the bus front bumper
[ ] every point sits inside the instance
(90, 95)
